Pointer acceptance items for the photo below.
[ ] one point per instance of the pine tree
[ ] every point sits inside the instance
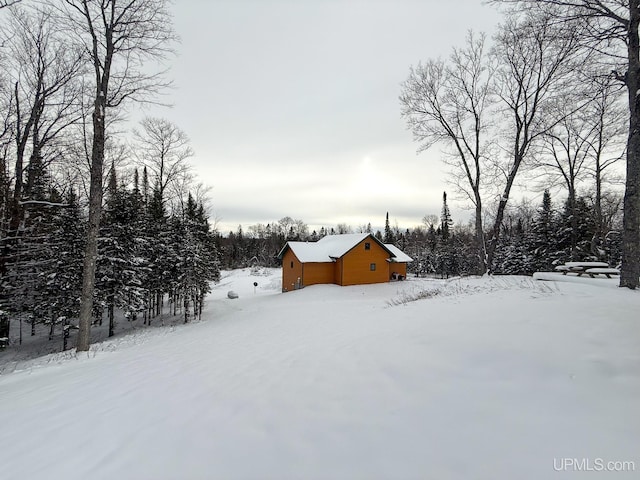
(445, 219)
(542, 241)
(388, 234)
(119, 279)
(197, 262)
(576, 230)
(145, 186)
(158, 255)
(66, 245)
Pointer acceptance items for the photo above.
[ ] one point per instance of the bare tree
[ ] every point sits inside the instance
(449, 103)
(583, 147)
(6, 142)
(43, 70)
(606, 148)
(611, 27)
(6, 139)
(430, 221)
(119, 36)
(292, 228)
(536, 59)
(164, 149)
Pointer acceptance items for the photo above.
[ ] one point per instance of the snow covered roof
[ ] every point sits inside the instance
(398, 255)
(307, 252)
(328, 248)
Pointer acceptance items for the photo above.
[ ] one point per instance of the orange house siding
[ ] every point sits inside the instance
(337, 273)
(314, 273)
(291, 272)
(356, 264)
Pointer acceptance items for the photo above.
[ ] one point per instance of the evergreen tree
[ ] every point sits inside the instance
(445, 219)
(197, 260)
(432, 238)
(159, 254)
(576, 231)
(119, 270)
(66, 245)
(145, 186)
(388, 234)
(542, 241)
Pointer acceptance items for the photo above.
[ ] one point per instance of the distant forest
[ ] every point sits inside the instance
(534, 238)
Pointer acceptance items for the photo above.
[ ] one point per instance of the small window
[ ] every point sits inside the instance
(291, 263)
(367, 246)
(372, 267)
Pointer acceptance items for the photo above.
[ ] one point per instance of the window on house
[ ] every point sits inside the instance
(367, 246)
(372, 267)
(291, 263)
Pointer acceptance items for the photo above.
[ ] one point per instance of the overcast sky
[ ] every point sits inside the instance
(292, 106)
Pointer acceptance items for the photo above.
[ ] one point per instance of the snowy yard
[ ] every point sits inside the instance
(504, 378)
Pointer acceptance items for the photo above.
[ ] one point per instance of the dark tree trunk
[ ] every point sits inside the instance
(480, 244)
(52, 327)
(65, 334)
(495, 232)
(600, 233)
(574, 223)
(112, 323)
(630, 272)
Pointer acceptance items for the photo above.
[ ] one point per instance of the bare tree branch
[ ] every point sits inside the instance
(8, 3)
(449, 103)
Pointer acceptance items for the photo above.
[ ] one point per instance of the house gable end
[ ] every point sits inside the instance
(363, 266)
(375, 241)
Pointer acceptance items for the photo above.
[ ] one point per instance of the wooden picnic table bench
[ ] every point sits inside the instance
(592, 272)
(588, 268)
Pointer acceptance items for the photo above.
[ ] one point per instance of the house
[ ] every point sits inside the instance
(348, 259)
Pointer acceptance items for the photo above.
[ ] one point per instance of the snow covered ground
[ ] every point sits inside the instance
(503, 378)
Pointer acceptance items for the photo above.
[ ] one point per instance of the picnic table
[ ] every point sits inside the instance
(593, 269)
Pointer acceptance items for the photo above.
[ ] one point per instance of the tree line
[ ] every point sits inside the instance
(533, 238)
(93, 218)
